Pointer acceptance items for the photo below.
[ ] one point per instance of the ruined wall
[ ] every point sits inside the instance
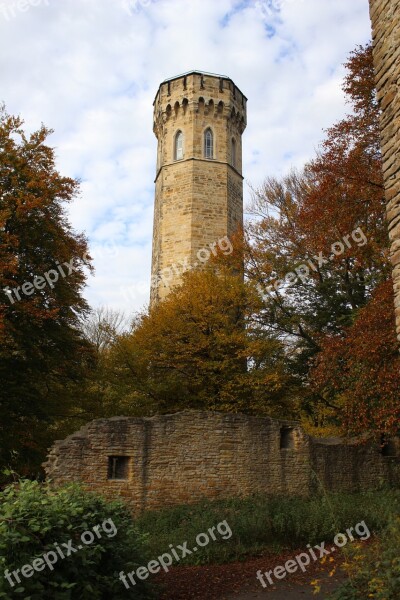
(340, 465)
(182, 458)
(385, 16)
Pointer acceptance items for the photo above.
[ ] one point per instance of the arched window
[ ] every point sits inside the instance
(209, 144)
(233, 152)
(178, 145)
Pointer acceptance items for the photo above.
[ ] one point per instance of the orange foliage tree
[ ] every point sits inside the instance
(359, 370)
(42, 352)
(201, 348)
(318, 248)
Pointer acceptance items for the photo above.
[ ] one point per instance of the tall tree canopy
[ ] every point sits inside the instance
(43, 355)
(358, 371)
(318, 247)
(200, 348)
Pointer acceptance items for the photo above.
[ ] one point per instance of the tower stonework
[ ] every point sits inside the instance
(199, 119)
(385, 16)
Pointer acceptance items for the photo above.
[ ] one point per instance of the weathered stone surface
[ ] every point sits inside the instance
(198, 200)
(182, 458)
(385, 16)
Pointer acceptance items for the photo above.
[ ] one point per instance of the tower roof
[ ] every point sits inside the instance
(195, 71)
(206, 73)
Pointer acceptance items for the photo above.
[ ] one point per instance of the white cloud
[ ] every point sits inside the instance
(90, 70)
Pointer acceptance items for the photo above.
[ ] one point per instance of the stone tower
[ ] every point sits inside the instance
(199, 119)
(385, 16)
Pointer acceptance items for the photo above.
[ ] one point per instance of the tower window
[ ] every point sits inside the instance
(233, 151)
(179, 146)
(118, 467)
(209, 144)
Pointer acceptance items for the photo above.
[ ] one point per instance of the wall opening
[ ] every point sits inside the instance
(287, 441)
(118, 467)
(388, 447)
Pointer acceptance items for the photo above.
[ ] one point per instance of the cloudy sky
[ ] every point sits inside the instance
(89, 69)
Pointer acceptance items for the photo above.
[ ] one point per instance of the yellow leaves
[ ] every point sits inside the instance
(316, 585)
(193, 350)
(321, 423)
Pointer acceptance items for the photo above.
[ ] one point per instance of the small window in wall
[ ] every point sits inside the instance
(118, 467)
(388, 447)
(178, 146)
(209, 144)
(287, 439)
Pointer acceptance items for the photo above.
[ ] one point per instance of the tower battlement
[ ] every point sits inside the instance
(199, 119)
(200, 91)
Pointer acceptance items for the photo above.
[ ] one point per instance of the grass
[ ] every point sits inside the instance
(265, 524)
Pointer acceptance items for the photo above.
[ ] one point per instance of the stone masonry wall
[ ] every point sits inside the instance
(385, 16)
(182, 458)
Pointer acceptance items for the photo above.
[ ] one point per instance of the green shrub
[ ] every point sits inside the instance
(374, 570)
(34, 519)
(262, 523)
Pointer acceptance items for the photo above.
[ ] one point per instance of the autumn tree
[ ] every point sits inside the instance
(102, 325)
(43, 355)
(317, 247)
(105, 395)
(357, 372)
(200, 348)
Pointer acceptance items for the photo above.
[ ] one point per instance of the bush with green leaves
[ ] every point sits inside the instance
(34, 517)
(374, 570)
